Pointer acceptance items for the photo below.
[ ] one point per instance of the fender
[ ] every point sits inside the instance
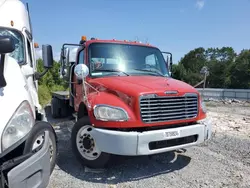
(82, 111)
(111, 100)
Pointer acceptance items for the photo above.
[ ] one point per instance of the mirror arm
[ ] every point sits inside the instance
(40, 75)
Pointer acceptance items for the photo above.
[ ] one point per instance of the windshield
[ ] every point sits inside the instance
(107, 59)
(18, 53)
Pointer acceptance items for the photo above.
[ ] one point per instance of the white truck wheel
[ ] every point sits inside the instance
(35, 139)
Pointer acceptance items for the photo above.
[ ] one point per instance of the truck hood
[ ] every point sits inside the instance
(13, 93)
(138, 85)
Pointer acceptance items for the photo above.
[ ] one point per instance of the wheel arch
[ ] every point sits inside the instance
(82, 111)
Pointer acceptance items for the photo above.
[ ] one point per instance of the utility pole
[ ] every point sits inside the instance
(204, 70)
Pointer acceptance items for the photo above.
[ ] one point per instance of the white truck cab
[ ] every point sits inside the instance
(28, 145)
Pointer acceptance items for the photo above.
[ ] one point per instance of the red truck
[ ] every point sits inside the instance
(126, 103)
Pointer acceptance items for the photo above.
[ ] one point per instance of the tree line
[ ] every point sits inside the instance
(227, 69)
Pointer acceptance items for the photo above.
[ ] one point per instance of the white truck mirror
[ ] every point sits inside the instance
(6, 45)
(47, 56)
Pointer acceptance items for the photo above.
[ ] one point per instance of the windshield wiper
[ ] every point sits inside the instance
(110, 70)
(150, 70)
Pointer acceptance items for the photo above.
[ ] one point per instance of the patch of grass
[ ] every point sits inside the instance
(44, 93)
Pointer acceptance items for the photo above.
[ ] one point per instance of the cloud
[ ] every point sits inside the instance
(200, 4)
(38, 53)
(56, 55)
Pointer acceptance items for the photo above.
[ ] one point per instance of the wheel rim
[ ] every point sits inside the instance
(86, 144)
(39, 140)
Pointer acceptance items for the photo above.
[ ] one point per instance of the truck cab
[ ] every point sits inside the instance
(127, 103)
(27, 141)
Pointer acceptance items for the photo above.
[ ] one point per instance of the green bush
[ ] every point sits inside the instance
(50, 82)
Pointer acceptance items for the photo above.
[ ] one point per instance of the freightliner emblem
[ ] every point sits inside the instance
(171, 92)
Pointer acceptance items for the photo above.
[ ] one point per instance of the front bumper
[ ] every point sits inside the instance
(151, 142)
(30, 170)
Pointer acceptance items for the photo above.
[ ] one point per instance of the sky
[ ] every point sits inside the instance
(177, 26)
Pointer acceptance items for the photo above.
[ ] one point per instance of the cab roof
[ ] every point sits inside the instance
(88, 42)
(13, 14)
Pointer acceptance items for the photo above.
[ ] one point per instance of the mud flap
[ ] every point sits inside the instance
(33, 172)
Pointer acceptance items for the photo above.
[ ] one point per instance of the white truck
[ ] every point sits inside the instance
(28, 143)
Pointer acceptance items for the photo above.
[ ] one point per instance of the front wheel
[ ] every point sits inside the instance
(84, 145)
(36, 138)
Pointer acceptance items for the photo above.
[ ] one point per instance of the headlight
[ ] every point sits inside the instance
(203, 106)
(110, 113)
(18, 126)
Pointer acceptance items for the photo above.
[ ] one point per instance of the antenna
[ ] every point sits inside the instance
(27, 5)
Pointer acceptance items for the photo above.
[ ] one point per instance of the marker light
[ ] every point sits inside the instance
(84, 38)
(36, 45)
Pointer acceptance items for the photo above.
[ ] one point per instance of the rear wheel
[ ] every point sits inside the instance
(84, 145)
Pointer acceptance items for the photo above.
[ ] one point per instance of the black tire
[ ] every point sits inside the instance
(101, 161)
(55, 107)
(37, 130)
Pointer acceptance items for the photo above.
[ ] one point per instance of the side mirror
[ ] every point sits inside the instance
(81, 71)
(47, 56)
(66, 56)
(171, 66)
(64, 61)
(6, 45)
(169, 63)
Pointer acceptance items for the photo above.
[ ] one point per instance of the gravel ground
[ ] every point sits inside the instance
(224, 161)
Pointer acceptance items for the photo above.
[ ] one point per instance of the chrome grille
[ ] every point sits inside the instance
(164, 109)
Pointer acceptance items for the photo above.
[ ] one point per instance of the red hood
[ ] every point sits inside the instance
(137, 85)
